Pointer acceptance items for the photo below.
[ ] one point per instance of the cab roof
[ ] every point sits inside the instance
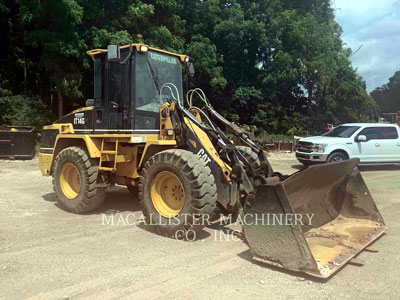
(94, 52)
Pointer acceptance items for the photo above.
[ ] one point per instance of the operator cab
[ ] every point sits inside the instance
(130, 85)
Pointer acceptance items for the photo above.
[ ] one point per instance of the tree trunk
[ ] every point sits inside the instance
(60, 103)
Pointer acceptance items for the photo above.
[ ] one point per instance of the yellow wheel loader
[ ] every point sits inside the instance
(185, 161)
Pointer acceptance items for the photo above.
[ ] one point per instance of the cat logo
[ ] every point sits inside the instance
(193, 143)
(79, 119)
(163, 58)
(204, 156)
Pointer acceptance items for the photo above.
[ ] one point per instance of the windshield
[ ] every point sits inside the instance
(153, 71)
(342, 131)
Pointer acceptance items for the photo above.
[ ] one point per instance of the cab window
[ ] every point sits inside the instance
(153, 71)
(97, 79)
(371, 133)
(118, 93)
(388, 133)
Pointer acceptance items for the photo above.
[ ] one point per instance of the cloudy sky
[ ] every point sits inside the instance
(376, 26)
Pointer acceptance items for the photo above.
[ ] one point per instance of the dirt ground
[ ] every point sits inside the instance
(47, 253)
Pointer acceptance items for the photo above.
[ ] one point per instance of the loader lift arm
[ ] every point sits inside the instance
(221, 126)
(187, 136)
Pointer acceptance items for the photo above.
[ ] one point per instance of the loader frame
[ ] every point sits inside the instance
(121, 156)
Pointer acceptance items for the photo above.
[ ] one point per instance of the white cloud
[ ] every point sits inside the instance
(376, 26)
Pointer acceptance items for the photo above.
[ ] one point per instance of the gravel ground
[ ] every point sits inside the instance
(47, 253)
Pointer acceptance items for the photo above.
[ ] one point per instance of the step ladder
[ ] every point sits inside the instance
(110, 154)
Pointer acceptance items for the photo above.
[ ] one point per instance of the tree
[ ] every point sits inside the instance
(282, 56)
(387, 96)
(55, 31)
(24, 111)
(277, 64)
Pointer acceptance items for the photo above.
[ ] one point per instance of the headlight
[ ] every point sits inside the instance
(144, 48)
(318, 147)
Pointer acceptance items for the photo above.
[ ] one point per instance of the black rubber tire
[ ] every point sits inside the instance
(253, 159)
(336, 156)
(250, 155)
(90, 196)
(200, 191)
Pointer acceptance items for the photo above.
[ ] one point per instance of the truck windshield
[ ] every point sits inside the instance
(153, 70)
(342, 131)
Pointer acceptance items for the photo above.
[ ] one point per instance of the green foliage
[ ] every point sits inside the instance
(273, 118)
(266, 137)
(387, 96)
(205, 56)
(24, 111)
(277, 64)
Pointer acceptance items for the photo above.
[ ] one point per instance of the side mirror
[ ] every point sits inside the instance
(361, 138)
(113, 53)
(190, 67)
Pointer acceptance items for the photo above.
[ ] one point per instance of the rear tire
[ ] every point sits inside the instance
(75, 181)
(174, 185)
(336, 156)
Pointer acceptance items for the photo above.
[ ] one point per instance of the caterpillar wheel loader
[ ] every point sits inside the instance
(185, 161)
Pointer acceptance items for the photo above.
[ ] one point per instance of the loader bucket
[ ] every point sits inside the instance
(315, 221)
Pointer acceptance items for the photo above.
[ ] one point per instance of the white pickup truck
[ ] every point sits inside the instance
(372, 143)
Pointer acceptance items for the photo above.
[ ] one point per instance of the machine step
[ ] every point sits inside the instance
(108, 152)
(107, 169)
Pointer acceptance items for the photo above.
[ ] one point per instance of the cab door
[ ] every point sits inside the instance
(389, 144)
(147, 103)
(118, 100)
(112, 92)
(369, 150)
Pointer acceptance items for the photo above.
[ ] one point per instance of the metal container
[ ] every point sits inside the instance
(17, 142)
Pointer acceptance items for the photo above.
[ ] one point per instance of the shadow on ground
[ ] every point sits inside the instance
(246, 255)
(298, 167)
(188, 237)
(379, 168)
(118, 200)
(219, 226)
(50, 197)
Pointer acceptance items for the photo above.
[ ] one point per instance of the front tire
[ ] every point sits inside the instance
(177, 192)
(336, 156)
(75, 181)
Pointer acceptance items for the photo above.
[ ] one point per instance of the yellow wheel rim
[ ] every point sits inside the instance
(167, 194)
(70, 181)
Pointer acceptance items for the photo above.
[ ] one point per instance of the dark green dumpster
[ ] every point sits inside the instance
(17, 142)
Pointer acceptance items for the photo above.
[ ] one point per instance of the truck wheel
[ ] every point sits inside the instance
(177, 192)
(336, 156)
(75, 181)
(254, 161)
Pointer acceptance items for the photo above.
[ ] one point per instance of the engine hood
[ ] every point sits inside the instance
(322, 140)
